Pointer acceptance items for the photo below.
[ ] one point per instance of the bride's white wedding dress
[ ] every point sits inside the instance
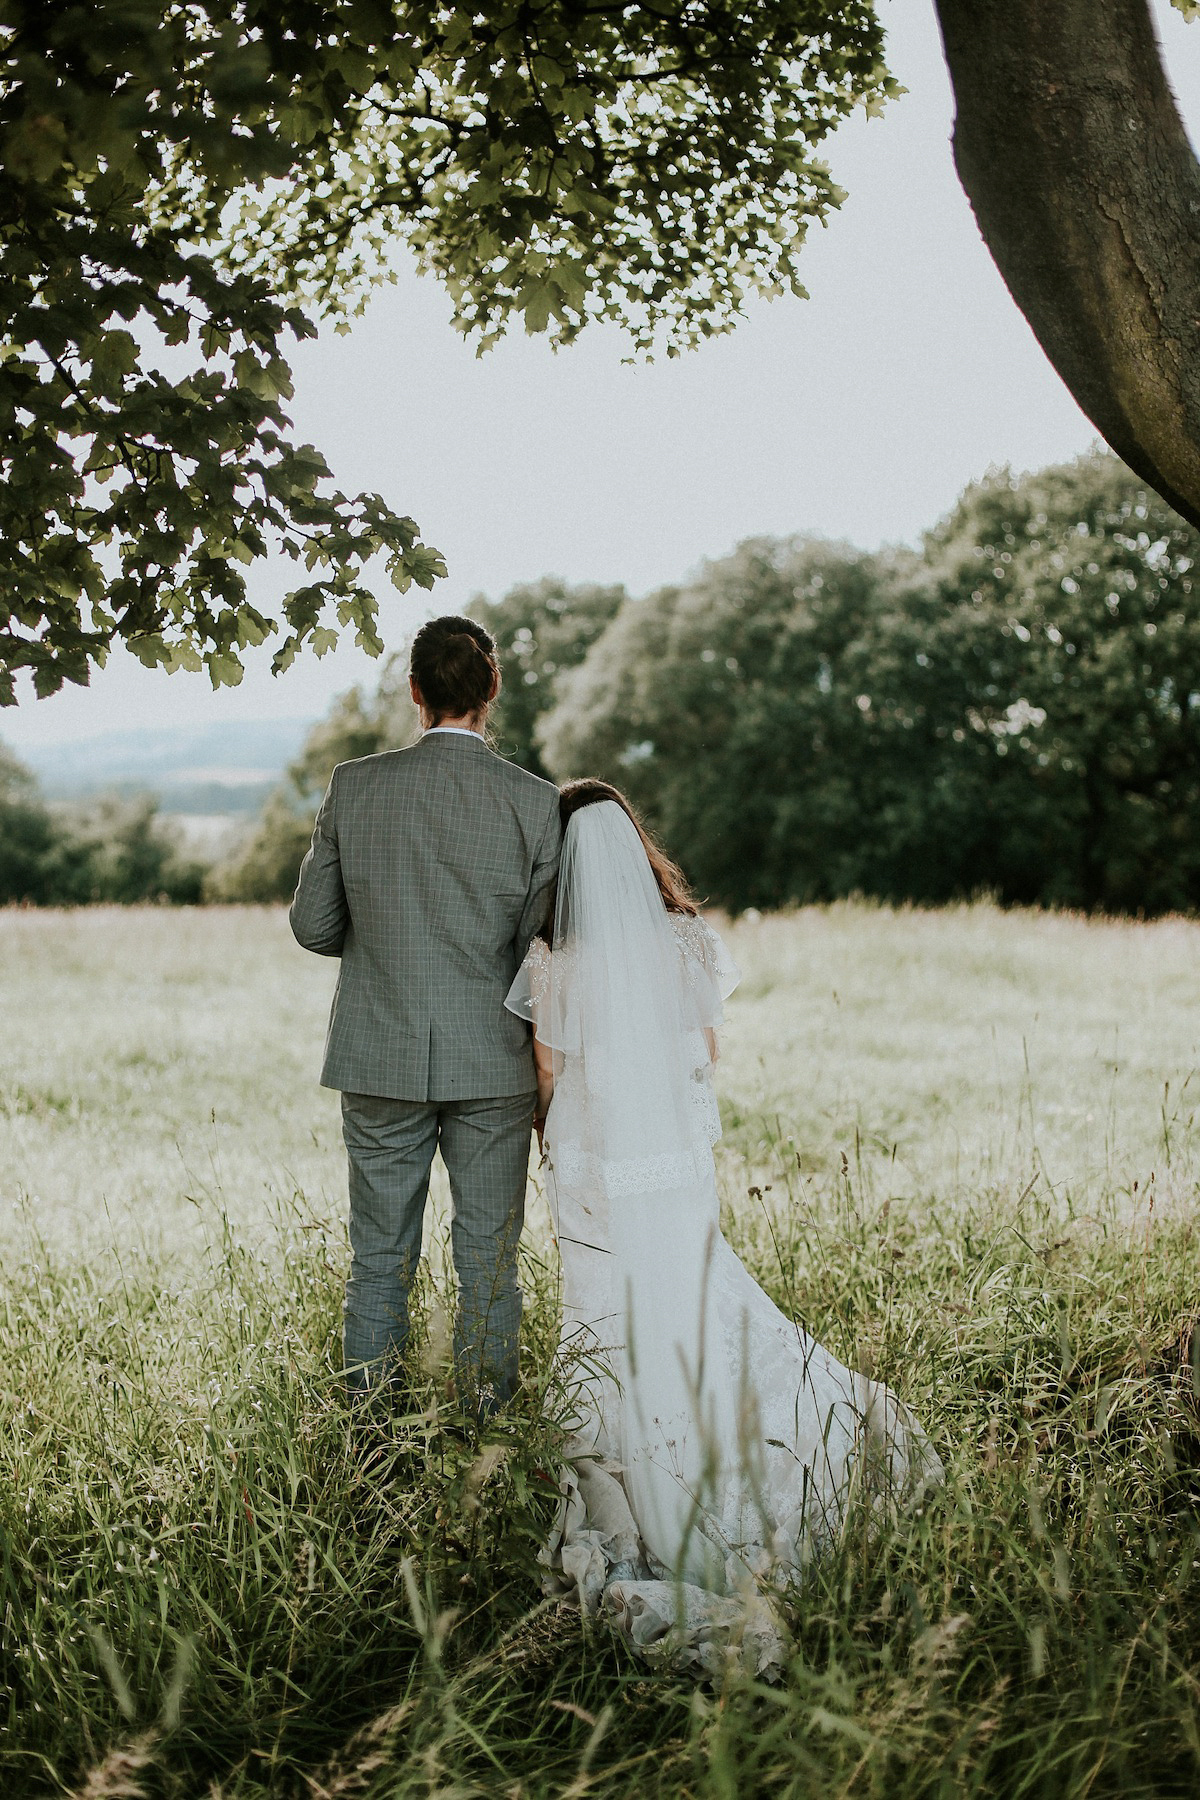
(716, 1445)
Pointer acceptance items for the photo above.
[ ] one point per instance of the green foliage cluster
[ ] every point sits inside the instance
(1014, 709)
(143, 443)
(115, 852)
(648, 165)
(182, 182)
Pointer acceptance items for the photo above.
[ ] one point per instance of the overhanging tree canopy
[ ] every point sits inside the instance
(186, 180)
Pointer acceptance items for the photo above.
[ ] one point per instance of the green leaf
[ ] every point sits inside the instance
(224, 669)
(114, 358)
(184, 656)
(537, 301)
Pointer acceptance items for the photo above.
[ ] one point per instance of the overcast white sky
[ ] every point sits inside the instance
(859, 413)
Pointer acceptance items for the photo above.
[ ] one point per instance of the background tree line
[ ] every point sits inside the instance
(117, 851)
(1012, 708)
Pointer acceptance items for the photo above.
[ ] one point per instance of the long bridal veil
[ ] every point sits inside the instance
(632, 1179)
(617, 1003)
(717, 1444)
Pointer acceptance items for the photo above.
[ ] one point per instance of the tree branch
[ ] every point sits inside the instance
(1069, 144)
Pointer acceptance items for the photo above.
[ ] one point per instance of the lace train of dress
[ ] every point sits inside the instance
(710, 1464)
(715, 1446)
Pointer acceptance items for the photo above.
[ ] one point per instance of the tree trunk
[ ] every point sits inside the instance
(1072, 152)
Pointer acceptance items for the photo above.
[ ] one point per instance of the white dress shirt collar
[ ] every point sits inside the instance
(459, 730)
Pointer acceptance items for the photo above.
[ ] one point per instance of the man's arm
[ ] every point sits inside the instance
(319, 914)
(545, 868)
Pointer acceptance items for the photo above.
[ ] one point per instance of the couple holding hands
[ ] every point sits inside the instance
(515, 955)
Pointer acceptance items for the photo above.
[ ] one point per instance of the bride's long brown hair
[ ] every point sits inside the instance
(672, 882)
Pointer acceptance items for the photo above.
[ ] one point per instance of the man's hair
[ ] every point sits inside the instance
(454, 664)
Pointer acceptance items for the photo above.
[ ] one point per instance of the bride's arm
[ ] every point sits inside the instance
(544, 1063)
(709, 968)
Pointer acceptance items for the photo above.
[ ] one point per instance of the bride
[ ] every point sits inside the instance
(715, 1446)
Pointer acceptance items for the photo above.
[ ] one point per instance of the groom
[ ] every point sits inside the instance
(429, 872)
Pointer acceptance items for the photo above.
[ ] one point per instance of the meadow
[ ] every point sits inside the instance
(961, 1145)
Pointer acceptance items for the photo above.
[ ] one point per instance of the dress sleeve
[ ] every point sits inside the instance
(531, 985)
(711, 970)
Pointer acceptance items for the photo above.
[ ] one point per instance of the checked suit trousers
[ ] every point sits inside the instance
(391, 1145)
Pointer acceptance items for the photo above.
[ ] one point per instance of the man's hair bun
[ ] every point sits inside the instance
(454, 664)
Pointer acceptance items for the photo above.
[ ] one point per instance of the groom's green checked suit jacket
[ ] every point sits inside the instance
(429, 872)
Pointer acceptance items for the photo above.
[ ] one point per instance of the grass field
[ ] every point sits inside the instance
(962, 1146)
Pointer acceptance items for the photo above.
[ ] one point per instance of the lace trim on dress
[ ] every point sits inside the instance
(693, 934)
(537, 968)
(705, 1111)
(712, 972)
(629, 1175)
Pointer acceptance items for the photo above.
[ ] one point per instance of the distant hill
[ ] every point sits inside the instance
(218, 768)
